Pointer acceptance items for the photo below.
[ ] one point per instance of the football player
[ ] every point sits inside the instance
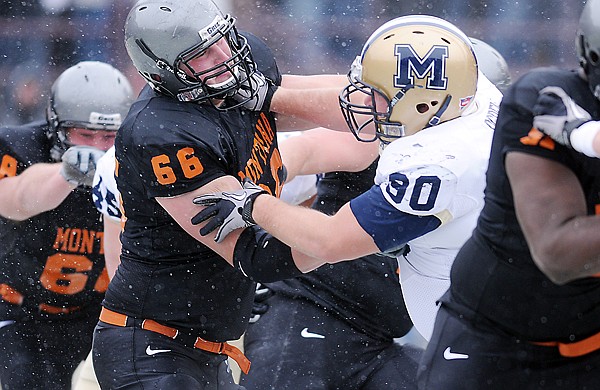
(345, 315)
(416, 82)
(175, 300)
(523, 308)
(52, 270)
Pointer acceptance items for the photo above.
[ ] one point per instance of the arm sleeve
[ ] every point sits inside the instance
(390, 228)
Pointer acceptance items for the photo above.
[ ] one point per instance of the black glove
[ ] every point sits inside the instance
(260, 307)
(79, 164)
(256, 92)
(227, 210)
(557, 115)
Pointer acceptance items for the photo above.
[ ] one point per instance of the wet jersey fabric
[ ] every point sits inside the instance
(366, 293)
(55, 259)
(166, 148)
(428, 193)
(494, 275)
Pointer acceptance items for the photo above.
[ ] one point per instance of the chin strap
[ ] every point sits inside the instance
(435, 119)
(400, 95)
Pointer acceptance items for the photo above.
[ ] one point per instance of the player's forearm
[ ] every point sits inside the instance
(322, 150)
(572, 253)
(318, 106)
(112, 245)
(303, 229)
(38, 189)
(314, 81)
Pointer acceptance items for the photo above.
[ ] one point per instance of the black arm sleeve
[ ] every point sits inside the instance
(262, 257)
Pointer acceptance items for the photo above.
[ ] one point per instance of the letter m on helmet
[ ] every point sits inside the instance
(411, 66)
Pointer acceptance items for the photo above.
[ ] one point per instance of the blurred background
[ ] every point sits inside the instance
(41, 38)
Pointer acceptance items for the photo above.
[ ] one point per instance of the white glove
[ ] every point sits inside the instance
(227, 210)
(557, 115)
(256, 93)
(79, 164)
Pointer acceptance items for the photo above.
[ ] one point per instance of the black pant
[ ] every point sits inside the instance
(464, 356)
(296, 345)
(42, 354)
(133, 358)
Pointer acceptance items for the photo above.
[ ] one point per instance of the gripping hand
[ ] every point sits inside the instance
(557, 115)
(260, 307)
(79, 164)
(256, 92)
(227, 210)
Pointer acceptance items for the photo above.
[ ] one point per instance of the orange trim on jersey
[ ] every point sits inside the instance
(576, 349)
(10, 295)
(118, 319)
(57, 310)
(537, 138)
(8, 166)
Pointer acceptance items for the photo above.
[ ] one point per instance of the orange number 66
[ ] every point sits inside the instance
(190, 165)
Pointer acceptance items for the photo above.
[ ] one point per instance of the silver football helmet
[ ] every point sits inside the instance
(420, 69)
(163, 37)
(492, 64)
(588, 44)
(91, 95)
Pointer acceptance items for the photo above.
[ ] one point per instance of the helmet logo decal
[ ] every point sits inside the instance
(97, 118)
(411, 65)
(217, 24)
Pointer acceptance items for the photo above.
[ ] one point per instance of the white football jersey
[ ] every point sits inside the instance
(104, 192)
(439, 171)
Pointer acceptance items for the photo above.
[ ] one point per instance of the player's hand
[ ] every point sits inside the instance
(557, 115)
(260, 307)
(227, 210)
(256, 92)
(79, 164)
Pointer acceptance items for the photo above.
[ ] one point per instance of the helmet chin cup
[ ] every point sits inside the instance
(388, 131)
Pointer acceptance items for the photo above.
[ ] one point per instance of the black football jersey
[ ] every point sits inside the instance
(494, 273)
(364, 292)
(54, 259)
(166, 148)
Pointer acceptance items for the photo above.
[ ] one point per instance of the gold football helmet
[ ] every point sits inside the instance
(414, 72)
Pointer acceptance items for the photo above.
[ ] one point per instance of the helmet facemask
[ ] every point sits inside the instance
(360, 117)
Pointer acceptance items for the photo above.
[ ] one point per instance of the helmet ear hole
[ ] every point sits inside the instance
(422, 108)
